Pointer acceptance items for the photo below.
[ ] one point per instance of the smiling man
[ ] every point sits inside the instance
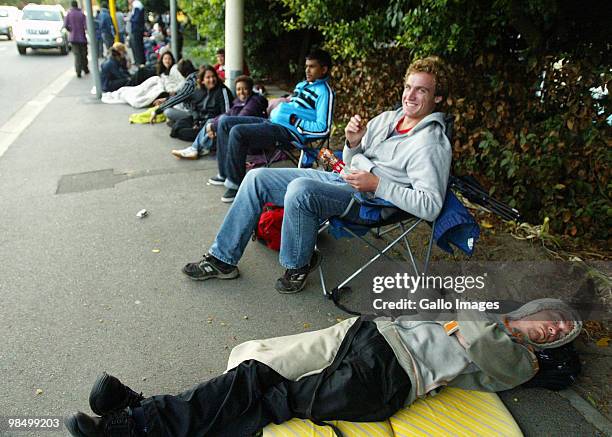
(402, 156)
(356, 370)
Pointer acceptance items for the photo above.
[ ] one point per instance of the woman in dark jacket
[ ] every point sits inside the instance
(114, 73)
(210, 99)
(246, 103)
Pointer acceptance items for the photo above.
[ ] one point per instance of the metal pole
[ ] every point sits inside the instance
(234, 34)
(93, 49)
(174, 29)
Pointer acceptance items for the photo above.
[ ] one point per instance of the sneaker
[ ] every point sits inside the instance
(216, 180)
(187, 153)
(108, 394)
(294, 280)
(210, 267)
(203, 152)
(229, 195)
(119, 424)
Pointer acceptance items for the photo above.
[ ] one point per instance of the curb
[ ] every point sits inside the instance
(590, 413)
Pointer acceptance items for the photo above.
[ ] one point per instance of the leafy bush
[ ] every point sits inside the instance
(527, 124)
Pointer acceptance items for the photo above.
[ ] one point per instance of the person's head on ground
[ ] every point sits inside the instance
(165, 62)
(544, 323)
(185, 67)
(318, 64)
(244, 87)
(425, 86)
(74, 4)
(221, 56)
(208, 77)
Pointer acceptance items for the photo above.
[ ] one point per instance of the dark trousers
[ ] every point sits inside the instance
(238, 136)
(79, 49)
(137, 46)
(367, 385)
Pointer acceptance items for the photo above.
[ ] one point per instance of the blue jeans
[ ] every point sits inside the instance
(238, 136)
(202, 141)
(308, 196)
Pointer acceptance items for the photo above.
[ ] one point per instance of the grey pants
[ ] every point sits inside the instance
(176, 114)
(80, 57)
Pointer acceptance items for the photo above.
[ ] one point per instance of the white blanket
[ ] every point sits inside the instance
(143, 95)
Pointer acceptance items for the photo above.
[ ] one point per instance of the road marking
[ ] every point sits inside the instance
(21, 119)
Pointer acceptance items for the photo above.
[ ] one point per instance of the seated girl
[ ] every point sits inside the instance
(168, 80)
(114, 72)
(245, 103)
(210, 99)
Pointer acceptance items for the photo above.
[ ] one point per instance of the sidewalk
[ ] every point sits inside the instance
(90, 287)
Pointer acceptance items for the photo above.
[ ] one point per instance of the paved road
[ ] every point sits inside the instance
(23, 77)
(86, 286)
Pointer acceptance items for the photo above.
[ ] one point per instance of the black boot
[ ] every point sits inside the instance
(108, 394)
(119, 424)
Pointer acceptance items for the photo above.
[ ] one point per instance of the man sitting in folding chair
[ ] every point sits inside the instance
(402, 156)
(305, 117)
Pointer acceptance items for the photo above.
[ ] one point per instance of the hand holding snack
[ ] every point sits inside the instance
(355, 130)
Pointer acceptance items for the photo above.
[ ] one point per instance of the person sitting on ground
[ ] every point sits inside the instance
(175, 107)
(220, 65)
(167, 81)
(356, 370)
(246, 103)
(401, 156)
(114, 72)
(306, 116)
(210, 99)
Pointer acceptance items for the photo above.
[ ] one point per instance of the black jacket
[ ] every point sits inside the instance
(206, 104)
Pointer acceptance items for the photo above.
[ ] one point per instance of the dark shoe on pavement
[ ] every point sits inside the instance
(210, 267)
(229, 195)
(216, 180)
(294, 280)
(86, 71)
(108, 394)
(119, 424)
(79, 75)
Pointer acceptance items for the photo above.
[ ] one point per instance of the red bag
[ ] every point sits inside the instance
(269, 227)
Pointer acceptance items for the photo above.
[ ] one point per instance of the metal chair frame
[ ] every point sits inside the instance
(405, 222)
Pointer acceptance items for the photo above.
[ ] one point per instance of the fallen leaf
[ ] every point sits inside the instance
(485, 224)
(306, 325)
(603, 342)
(245, 317)
(39, 391)
(155, 251)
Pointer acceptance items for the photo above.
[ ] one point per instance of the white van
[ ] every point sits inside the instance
(8, 17)
(42, 27)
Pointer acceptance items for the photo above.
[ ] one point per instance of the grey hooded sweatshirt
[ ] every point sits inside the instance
(413, 168)
(495, 359)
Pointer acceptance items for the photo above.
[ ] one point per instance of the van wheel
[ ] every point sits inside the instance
(22, 50)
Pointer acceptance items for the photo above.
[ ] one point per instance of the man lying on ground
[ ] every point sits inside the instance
(402, 156)
(357, 370)
(306, 116)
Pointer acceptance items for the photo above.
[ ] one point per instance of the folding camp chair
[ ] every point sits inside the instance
(453, 225)
(307, 157)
